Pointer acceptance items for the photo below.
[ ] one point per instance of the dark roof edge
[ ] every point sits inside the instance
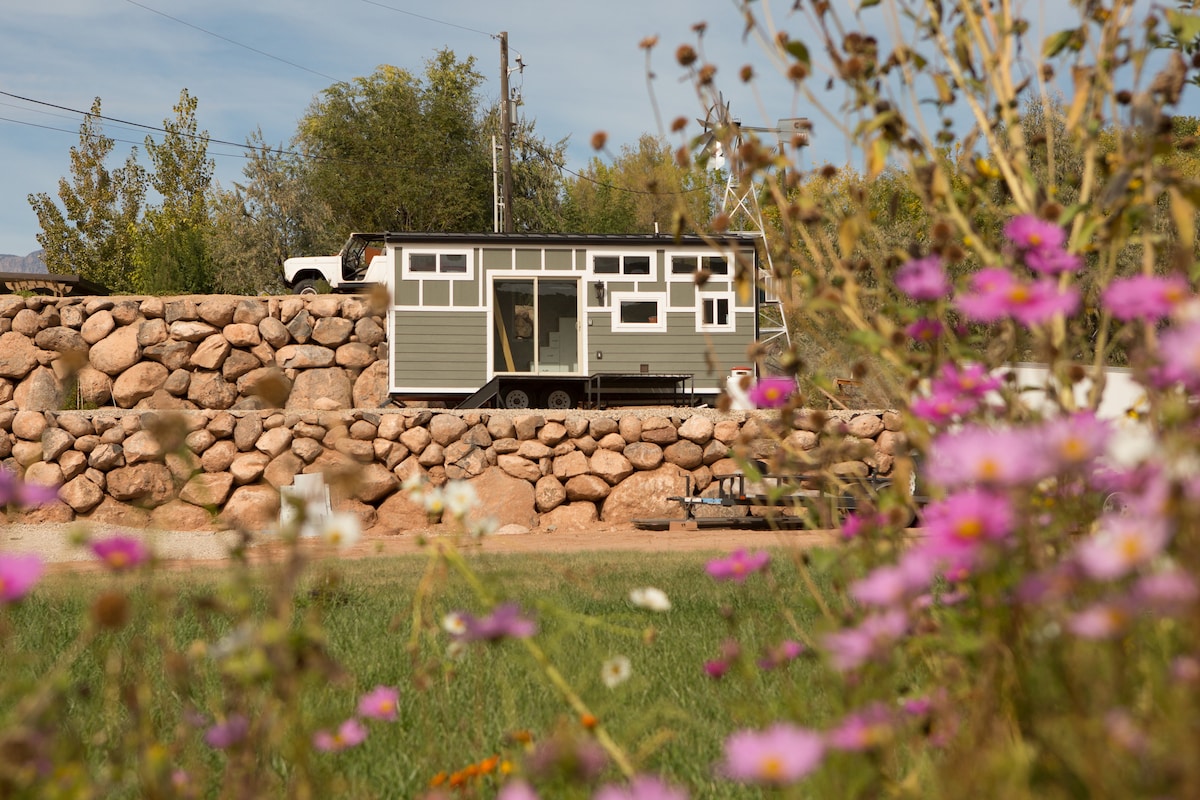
(666, 240)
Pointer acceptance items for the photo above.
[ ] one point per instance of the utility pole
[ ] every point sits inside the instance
(506, 125)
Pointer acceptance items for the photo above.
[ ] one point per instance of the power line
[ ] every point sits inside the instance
(427, 19)
(231, 41)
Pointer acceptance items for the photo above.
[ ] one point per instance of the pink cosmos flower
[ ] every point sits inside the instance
(862, 730)
(925, 330)
(504, 622)
(226, 734)
(782, 653)
(1052, 262)
(1121, 544)
(1074, 441)
(1145, 297)
(777, 756)
(942, 407)
(957, 526)
(120, 552)
(772, 392)
(969, 380)
(517, 790)
(855, 524)
(380, 703)
(1179, 352)
(18, 574)
(1169, 591)
(642, 787)
(738, 566)
(892, 584)
(1101, 621)
(976, 454)
(850, 648)
(1028, 232)
(27, 495)
(923, 279)
(996, 294)
(350, 733)
(716, 668)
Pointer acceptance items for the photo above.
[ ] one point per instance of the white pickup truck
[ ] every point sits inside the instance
(361, 262)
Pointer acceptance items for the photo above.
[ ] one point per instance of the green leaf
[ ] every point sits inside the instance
(1056, 43)
(798, 51)
(867, 4)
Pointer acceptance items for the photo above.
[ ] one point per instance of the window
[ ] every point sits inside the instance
(451, 264)
(714, 312)
(639, 311)
(686, 266)
(622, 264)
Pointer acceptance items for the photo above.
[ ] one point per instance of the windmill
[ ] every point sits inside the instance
(721, 145)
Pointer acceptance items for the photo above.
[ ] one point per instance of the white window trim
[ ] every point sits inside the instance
(409, 275)
(616, 298)
(622, 275)
(728, 327)
(690, 277)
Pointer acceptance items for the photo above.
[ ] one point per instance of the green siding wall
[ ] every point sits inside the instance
(679, 349)
(440, 349)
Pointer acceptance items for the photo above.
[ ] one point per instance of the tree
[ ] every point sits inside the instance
(262, 222)
(174, 252)
(643, 187)
(94, 234)
(393, 152)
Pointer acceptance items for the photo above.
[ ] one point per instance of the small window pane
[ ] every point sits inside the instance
(454, 262)
(422, 262)
(607, 265)
(716, 311)
(637, 265)
(683, 265)
(716, 265)
(639, 312)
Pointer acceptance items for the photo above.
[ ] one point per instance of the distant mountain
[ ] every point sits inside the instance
(30, 263)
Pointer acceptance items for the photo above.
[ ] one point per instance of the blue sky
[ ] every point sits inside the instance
(259, 64)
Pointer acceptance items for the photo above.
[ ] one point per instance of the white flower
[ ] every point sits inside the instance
(459, 497)
(454, 624)
(650, 598)
(341, 528)
(456, 650)
(434, 501)
(413, 484)
(479, 528)
(615, 671)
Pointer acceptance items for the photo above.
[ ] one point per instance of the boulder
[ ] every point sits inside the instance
(548, 493)
(207, 489)
(146, 484)
(111, 512)
(643, 455)
(138, 382)
(249, 312)
(94, 387)
(643, 495)
(518, 467)
(191, 331)
(97, 326)
(610, 465)
(142, 446)
(80, 494)
(569, 465)
(219, 456)
(211, 353)
(283, 469)
(697, 429)
(304, 356)
(369, 332)
(275, 441)
(211, 390)
(17, 355)
(571, 517)
(29, 425)
(61, 339)
(374, 483)
(320, 388)
(217, 310)
(332, 331)
(116, 352)
(274, 332)
(242, 334)
(371, 386)
(865, 426)
(55, 442)
(399, 514)
(253, 508)
(41, 391)
(446, 428)
(176, 515)
(587, 487)
(684, 453)
(248, 467)
(503, 498)
(152, 332)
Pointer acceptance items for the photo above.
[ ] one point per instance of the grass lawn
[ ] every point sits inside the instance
(378, 619)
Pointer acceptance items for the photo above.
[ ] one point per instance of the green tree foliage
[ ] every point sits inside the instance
(94, 233)
(643, 186)
(395, 152)
(260, 223)
(174, 251)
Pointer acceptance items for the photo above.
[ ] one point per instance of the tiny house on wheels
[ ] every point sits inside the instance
(562, 320)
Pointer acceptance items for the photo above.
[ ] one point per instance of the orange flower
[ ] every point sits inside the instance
(589, 721)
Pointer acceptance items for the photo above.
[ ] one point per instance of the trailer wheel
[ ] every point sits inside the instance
(517, 398)
(559, 399)
(305, 286)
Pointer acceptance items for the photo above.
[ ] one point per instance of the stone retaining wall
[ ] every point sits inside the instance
(180, 469)
(211, 352)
